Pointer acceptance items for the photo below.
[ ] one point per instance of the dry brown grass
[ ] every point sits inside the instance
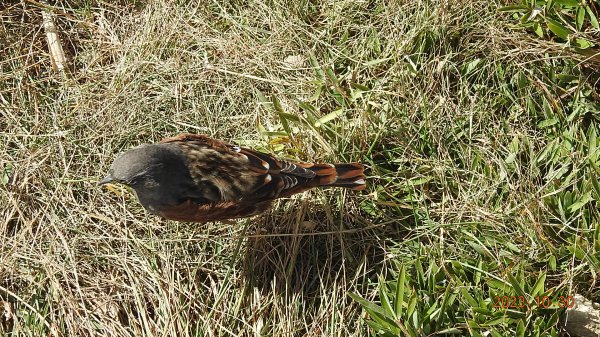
(76, 260)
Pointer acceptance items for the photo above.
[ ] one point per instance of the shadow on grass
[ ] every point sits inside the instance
(312, 253)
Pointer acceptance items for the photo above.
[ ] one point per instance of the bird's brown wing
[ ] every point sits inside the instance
(219, 172)
(250, 175)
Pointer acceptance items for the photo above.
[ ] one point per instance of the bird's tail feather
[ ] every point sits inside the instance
(340, 175)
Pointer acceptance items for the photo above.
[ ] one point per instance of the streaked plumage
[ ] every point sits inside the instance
(197, 178)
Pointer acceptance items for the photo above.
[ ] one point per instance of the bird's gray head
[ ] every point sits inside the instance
(156, 172)
(134, 166)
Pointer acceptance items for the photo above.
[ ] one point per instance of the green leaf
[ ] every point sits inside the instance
(558, 29)
(375, 326)
(307, 106)
(583, 43)
(411, 305)
(420, 272)
(6, 174)
(537, 28)
(514, 145)
(513, 247)
(538, 288)
(576, 250)
(366, 304)
(515, 9)
(288, 116)
(329, 117)
(515, 314)
(470, 66)
(261, 97)
(359, 86)
(449, 331)
(552, 262)
(496, 321)
(316, 66)
(399, 299)
(384, 298)
(264, 132)
(458, 269)
(336, 82)
(516, 285)
(495, 333)
(596, 186)
(279, 109)
(465, 293)
(500, 285)
(317, 94)
(592, 143)
(520, 329)
(477, 272)
(580, 17)
(567, 78)
(418, 181)
(593, 19)
(587, 197)
(478, 248)
(376, 313)
(449, 297)
(431, 313)
(377, 61)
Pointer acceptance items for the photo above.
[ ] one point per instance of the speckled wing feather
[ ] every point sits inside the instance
(228, 173)
(217, 168)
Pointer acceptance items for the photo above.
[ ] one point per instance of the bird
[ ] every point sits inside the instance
(195, 178)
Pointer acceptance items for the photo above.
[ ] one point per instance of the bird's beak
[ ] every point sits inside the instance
(106, 180)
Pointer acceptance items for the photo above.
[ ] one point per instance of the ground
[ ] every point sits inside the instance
(478, 124)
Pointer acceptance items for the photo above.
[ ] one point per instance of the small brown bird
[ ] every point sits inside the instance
(195, 178)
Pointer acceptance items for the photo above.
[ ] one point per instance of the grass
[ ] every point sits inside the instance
(478, 123)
